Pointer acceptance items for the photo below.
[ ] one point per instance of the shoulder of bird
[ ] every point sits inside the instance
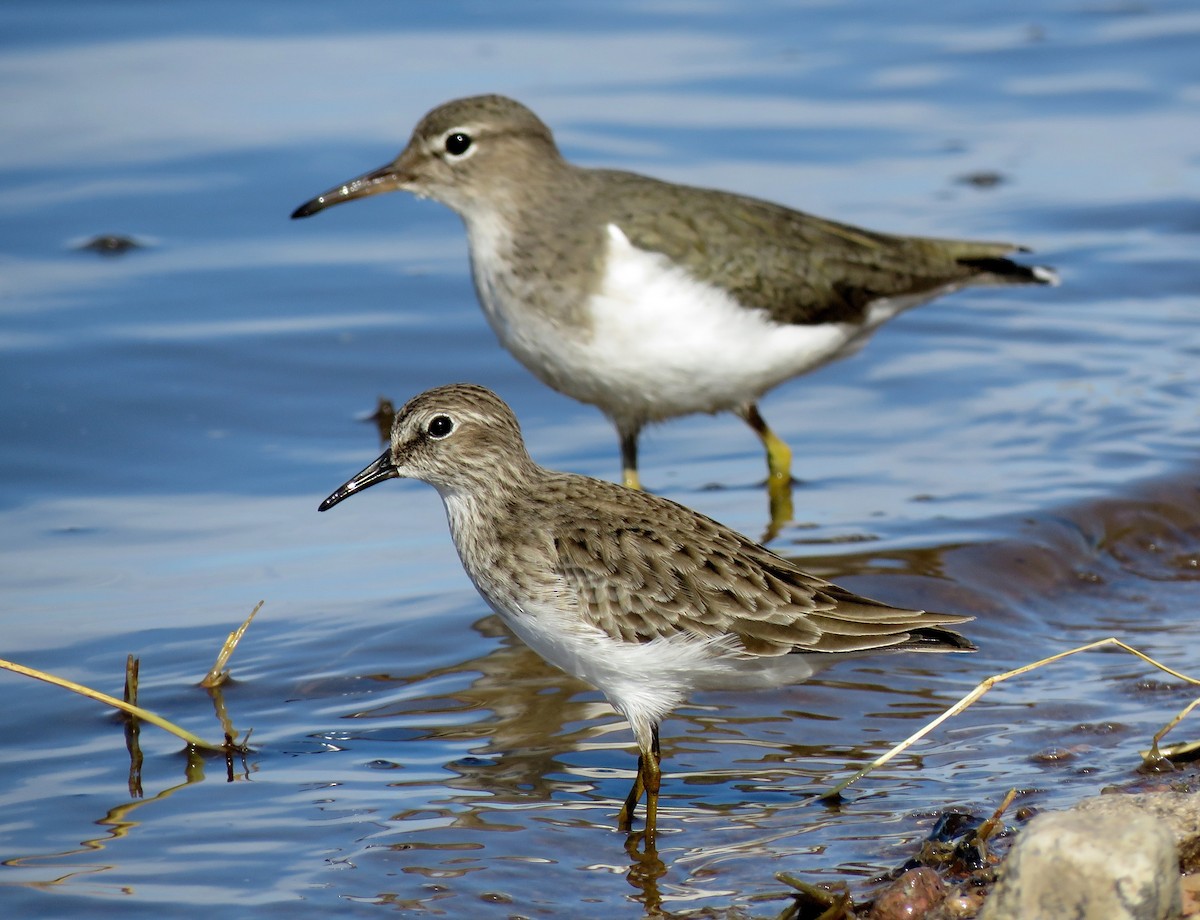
(797, 267)
(666, 570)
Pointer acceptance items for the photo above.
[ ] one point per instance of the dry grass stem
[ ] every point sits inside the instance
(218, 675)
(1185, 749)
(144, 714)
(985, 685)
(133, 728)
(988, 827)
(131, 679)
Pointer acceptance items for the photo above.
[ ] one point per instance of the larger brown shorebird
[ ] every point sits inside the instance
(652, 300)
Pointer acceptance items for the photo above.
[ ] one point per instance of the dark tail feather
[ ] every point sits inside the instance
(1008, 271)
(935, 639)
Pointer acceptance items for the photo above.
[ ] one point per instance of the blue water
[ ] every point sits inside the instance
(171, 417)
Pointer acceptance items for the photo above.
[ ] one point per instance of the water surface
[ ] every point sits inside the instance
(173, 415)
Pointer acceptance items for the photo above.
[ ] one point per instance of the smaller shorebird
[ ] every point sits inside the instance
(650, 299)
(642, 598)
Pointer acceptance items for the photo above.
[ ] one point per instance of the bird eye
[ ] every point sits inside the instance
(457, 143)
(439, 426)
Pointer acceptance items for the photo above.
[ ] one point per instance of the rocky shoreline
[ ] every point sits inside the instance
(1130, 853)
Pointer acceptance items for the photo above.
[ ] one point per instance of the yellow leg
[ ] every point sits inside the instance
(779, 455)
(648, 780)
(779, 458)
(652, 780)
(779, 470)
(625, 815)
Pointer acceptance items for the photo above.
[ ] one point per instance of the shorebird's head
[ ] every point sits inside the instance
(461, 153)
(458, 438)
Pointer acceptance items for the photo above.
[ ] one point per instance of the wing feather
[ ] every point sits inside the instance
(666, 570)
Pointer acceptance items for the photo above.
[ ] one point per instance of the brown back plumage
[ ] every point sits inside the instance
(634, 565)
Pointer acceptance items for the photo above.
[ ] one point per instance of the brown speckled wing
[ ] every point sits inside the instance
(667, 570)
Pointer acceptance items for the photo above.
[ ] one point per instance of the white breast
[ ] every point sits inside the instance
(657, 342)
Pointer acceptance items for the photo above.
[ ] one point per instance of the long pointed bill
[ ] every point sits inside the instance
(377, 472)
(385, 179)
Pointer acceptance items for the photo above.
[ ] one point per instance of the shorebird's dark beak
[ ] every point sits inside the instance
(387, 178)
(383, 468)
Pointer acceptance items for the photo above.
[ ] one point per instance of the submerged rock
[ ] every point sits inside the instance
(110, 244)
(913, 894)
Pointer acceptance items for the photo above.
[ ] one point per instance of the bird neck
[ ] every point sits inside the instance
(487, 525)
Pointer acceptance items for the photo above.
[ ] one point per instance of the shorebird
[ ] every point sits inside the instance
(642, 598)
(652, 300)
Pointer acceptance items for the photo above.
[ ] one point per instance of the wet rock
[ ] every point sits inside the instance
(1180, 780)
(1053, 756)
(1179, 812)
(912, 895)
(110, 244)
(960, 905)
(1191, 895)
(1096, 865)
(982, 179)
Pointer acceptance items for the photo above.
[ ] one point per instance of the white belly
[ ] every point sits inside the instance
(654, 342)
(643, 681)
